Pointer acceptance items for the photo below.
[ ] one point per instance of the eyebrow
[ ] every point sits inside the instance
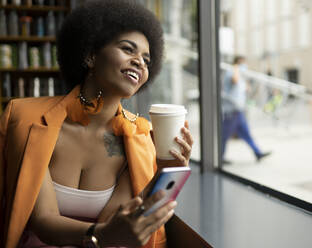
(135, 46)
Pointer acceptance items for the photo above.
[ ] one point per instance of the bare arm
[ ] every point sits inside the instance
(235, 77)
(49, 225)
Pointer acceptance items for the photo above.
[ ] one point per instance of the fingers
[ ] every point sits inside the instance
(158, 219)
(186, 145)
(179, 157)
(187, 134)
(160, 213)
(186, 148)
(186, 124)
(131, 206)
(136, 230)
(148, 203)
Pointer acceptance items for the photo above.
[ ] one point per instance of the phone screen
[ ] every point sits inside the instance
(171, 180)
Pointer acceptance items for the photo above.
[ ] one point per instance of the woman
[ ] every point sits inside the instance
(70, 162)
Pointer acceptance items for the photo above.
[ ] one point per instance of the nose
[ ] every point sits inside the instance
(138, 62)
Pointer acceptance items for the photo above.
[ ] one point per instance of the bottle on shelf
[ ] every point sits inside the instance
(25, 25)
(22, 55)
(6, 56)
(16, 2)
(54, 57)
(50, 24)
(3, 24)
(40, 2)
(13, 23)
(36, 87)
(28, 2)
(47, 62)
(14, 55)
(59, 20)
(34, 57)
(21, 87)
(39, 27)
(4, 2)
(6, 86)
(51, 86)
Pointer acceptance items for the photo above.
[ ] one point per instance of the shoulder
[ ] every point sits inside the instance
(32, 107)
(139, 119)
(129, 124)
(46, 100)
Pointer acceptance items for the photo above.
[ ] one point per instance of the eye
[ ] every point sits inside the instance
(147, 61)
(128, 49)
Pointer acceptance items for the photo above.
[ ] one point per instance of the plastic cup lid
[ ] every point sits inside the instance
(167, 109)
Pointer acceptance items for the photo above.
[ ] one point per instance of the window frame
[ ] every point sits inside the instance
(210, 104)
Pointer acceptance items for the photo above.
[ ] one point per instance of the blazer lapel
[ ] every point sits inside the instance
(140, 159)
(141, 166)
(36, 159)
(38, 151)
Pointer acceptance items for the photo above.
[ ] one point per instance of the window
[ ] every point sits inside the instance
(272, 97)
(178, 80)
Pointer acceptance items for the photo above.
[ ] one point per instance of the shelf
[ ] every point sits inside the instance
(6, 99)
(35, 8)
(31, 70)
(28, 74)
(27, 38)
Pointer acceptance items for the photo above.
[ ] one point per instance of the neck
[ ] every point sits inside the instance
(109, 110)
(110, 103)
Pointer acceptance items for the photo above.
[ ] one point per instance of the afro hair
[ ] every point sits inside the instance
(90, 27)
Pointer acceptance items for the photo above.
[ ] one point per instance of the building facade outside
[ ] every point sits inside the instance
(275, 36)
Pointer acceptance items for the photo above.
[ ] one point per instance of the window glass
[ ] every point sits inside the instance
(266, 93)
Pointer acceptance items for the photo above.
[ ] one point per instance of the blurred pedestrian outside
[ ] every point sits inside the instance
(234, 121)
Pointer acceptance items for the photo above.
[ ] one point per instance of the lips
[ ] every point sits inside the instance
(132, 74)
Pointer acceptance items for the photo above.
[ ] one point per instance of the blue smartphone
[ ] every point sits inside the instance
(171, 180)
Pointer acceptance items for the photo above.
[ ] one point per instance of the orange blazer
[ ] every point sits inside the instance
(29, 129)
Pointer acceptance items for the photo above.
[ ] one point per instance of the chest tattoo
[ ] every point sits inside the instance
(114, 145)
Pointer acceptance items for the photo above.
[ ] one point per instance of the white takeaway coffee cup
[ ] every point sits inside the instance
(167, 121)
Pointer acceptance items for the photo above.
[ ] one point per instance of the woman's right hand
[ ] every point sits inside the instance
(128, 227)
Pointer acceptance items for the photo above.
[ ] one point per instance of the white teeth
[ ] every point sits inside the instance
(132, 73)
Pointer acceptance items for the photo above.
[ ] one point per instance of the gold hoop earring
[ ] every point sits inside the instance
(89, 62)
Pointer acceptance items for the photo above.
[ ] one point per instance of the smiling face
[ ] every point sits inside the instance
(121, 67)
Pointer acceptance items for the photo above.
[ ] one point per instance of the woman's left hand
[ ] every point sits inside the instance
(182, 156)
(185, 143)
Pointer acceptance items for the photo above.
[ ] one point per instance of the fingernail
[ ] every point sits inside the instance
(171, 212)
(173, 204)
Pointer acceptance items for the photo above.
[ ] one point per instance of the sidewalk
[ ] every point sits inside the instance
(289, 168)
